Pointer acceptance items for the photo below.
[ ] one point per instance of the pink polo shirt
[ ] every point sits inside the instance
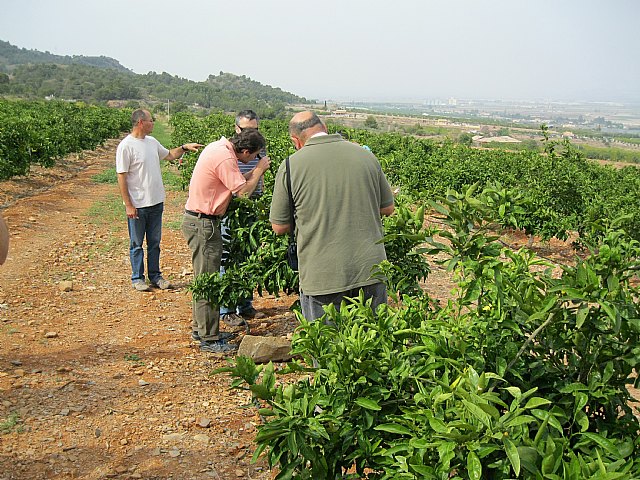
(215, 178)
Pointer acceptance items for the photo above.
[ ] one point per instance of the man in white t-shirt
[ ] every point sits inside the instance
(140, 181)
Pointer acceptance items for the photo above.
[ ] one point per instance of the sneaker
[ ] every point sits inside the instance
(233, 319)
(141, 286)
(221, 335)
(217, 346)
(162, 284)
(251, 313)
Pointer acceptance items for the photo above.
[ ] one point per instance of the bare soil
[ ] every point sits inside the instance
(102, 381)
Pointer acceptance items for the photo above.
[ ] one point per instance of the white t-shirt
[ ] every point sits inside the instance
(140, 159)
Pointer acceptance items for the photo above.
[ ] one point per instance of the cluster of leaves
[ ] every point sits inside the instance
(257, 257)
(521, 374)
(546, 194)
(41, 132)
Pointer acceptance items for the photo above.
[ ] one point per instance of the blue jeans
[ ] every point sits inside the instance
(244, 304)
(149, 224)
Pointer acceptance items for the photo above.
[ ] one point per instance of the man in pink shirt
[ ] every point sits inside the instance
(215, 179)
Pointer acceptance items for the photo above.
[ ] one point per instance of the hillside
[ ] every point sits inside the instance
(33, 74)
(11, 56)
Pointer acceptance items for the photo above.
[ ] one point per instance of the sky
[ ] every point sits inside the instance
(357, 50)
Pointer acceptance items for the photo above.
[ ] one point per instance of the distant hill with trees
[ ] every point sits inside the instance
(12, 56)
(34, 74)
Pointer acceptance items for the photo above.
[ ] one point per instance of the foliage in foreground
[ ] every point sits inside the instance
(522, 374)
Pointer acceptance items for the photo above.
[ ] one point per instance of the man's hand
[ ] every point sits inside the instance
(177, 152)
(192, 147)
(132, 212)
(264, 164)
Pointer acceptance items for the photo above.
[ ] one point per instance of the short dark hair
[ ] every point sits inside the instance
(248, 139)
(296, 128)
(248, 114)
(138, 115)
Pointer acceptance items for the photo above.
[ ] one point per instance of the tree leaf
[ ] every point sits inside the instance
(474, 467)
(368, 403)
(512, 453)
(393, 428)
(535, 402)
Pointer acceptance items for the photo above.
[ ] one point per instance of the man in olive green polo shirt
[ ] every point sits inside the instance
(340, 193)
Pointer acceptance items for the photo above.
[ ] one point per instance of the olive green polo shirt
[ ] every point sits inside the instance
(338, 189)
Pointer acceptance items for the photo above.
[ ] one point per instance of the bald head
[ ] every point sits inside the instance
(303, 125)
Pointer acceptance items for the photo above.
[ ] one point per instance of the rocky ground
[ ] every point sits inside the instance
(98, 380)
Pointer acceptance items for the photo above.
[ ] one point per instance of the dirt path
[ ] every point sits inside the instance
(102, 381)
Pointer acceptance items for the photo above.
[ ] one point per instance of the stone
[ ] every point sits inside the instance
(265, 349)
(172, 437)
(143, 383)
(65, 286)
(51, 335)
(204, 422)
(202, 438)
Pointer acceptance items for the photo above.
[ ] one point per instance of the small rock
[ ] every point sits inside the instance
(64, 412)
(51, 335)
(265, 349)
(121, 469)
(16, 363)
(98, 433)
(124, 441)
(239, 473)
(19, 372)
(143, 383)
(204, 422)
(202, 438)
(65, 286)
(172, 437)
(174, 453)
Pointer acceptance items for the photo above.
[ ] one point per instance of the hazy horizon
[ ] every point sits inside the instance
(358, 51)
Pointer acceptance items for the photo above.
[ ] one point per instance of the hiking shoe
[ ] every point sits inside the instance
(251, 313)
(141, 286)
(233, 319)
(221, 335)
(218, 346)
(162, 284)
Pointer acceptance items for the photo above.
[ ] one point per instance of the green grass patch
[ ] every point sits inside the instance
(162, 131)
(171, 177)
(108, 176)
(7, 425)
(107, 211)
